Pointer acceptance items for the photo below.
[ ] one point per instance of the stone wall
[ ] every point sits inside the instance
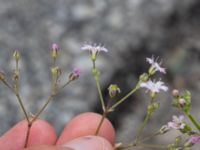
(130, 29)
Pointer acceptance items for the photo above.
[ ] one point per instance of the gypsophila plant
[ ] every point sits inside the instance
(147, 80)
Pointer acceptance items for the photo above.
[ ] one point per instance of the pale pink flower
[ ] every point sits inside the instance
(154, 87)
(154, 64)
(194, 139)
(177, 122)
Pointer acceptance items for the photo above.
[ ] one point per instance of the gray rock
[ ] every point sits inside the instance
(130, 29)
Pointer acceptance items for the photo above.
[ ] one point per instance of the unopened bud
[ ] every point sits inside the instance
(177, 140)
(144, 77)
(55, 51)
(16, 55)
(113, 90)
(164, 129)
(56, 71)
(182, 102)
(75, 74)
(156, 105)
(175, 93)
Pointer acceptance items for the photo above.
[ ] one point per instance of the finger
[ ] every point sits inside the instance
(89, 143)
(41, 133)
(45, 147)
(84, 125)
(82, 143)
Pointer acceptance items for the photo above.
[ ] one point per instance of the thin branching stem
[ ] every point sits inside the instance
(96, 76)
(144, 145)
(42, 109)
(22, 106)
(18, 98)
(100, 94)
(193, 120)
(101, 122)
(125, 97)
(142, 127)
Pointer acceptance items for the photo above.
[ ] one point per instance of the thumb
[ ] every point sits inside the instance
(89, 143)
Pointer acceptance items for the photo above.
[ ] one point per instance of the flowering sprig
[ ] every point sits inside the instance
(180, 101)
(56, 87)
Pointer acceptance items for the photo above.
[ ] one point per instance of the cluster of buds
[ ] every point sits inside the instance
(56, 71)
(182, 102)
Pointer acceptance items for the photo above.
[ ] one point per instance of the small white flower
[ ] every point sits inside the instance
(155, 65)
(154, 87)
(177, 122)
(93, 48)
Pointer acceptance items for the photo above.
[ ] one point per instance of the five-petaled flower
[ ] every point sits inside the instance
(154, 87)
(177, 122)
(155, 66)
(94, 50)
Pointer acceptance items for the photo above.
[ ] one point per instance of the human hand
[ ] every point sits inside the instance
(77, 135)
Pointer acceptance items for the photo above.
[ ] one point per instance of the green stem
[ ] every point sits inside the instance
(48, 101)
(22, 106)
(66, 84)
(144, 145)
(18, 98)
(193, 120)
(42, 109)
(125, 97)
(142, 127)
(101, 122)
(96, 76)
(100, 94)
(151, 136)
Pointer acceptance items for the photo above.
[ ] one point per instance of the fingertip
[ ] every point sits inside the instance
(15, 137)
(89, 143)
(42, 133)
(86, 124)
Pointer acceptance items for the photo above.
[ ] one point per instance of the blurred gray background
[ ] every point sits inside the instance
(130, 29)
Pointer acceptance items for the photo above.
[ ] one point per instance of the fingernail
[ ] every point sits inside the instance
(89, 143)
